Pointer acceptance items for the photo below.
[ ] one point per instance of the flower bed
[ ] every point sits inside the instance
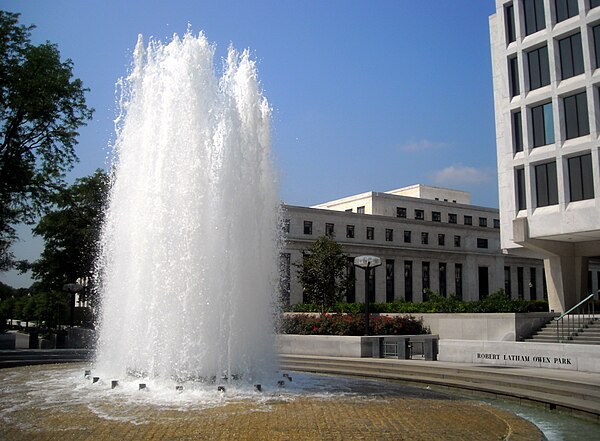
(349, 324)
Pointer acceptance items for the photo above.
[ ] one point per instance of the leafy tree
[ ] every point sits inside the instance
(322, 272)
(71, 232)
(41, 108)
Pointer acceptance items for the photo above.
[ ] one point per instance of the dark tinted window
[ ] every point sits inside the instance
(576, 115)
(571, 56)
(546, 187)
(565, 9)
(539, 68)
(581, 178)
(521, 199)
(534, 16)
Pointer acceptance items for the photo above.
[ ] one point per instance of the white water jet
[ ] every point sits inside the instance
(189, 252)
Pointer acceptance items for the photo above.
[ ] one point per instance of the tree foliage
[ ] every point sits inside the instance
(41, 108)
(322, 272)
(71, 232)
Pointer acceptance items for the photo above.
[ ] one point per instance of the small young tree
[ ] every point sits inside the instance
(322, 272)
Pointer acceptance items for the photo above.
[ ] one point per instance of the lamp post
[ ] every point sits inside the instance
(367, 263)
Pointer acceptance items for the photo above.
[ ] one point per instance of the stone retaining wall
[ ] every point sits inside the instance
(525, 354)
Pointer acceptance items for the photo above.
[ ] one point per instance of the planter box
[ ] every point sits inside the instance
(355, 346)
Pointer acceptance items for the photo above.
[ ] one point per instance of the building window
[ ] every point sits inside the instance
(329, 230)
(496, 223)
(482, 243)
(534, 16)
(507, 281)
(594, 3)
(408, 281)
(285, 227)
(307, 227)
(596, 31)
(401, 212)
(565, 9)
(407, 236)
(424, 238)
(370, 233)
(371, 286)
(457, 241)
(442, 279)
(517, 132)
(436, 216)
(571, 56)
(532, 284)
(483, 221)
(350, 231)
(348, 210)
(389, 280)
(543, 125)
(581, 178)
(484, 285)
(351, 277)
(520, 284)
(360, 210)
(452, 218)
(509, 16)
(513, 76)
(285, 278)
(419, 214)
(458, 277)
(520, 185)
(576, 115)
(539, 68)
(441, 239)
(389, 235)
(468, 220)
(546, 187)
(424, 280)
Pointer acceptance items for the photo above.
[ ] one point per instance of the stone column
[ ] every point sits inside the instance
(566, 279)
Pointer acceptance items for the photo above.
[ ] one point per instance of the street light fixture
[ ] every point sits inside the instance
(367, 263)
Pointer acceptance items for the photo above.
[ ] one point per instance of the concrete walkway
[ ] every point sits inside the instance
(571, 391)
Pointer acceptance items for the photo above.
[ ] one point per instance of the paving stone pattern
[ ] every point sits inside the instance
(303, 418)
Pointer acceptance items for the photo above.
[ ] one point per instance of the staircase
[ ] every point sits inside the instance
(578, 325)
(588, 333)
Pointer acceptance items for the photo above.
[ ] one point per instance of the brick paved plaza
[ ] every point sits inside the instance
(28, 412)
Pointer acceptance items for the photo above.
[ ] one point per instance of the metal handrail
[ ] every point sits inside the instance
(575, 322)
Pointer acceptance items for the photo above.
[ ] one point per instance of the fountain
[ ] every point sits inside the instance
(188, 271)
(189, 248)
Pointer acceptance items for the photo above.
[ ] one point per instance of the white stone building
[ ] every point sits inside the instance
(545, 60)
(427, 238)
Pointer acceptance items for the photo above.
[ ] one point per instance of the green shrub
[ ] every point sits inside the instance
(496, 302)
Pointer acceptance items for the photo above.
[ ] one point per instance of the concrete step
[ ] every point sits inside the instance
(568, 387)
(577, 393)
(25, 357)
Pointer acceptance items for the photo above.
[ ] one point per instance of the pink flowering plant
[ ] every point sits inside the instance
(349, 324)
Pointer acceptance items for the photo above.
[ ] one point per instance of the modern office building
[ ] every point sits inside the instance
(546, 76)
(428, 239)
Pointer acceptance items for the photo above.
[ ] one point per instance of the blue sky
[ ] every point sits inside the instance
(366, 95)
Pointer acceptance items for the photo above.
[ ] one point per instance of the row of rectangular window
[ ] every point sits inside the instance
(534, 15)
(571, 62)
(389, 235)
(483, 281)
(436, 216)
(390, 294)
(580, 179)
(575, 117)
(538, 72)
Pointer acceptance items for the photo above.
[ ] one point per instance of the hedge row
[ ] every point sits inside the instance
(497, 302)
